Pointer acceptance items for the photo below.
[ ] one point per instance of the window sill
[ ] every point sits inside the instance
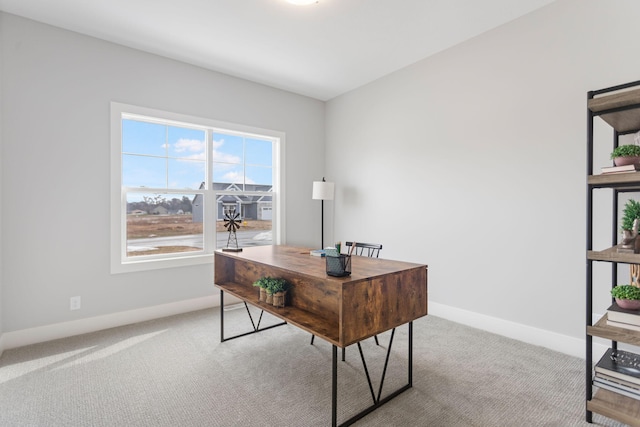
(118, 267)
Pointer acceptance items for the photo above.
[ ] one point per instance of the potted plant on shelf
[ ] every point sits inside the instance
(278, 289)
(628, 154)
(263, 284)
(272, 290)
(627, 296)
(630, 223)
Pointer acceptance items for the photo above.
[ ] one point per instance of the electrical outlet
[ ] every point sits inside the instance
(74, 303)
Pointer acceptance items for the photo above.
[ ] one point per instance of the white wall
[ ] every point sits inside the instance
(57, 86)
(473, 161)
(1, 180)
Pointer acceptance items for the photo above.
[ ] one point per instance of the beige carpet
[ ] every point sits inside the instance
(175, 372)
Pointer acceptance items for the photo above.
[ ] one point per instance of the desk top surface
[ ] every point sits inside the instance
(299, 260)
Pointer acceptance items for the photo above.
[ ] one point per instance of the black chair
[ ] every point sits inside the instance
(371, 250)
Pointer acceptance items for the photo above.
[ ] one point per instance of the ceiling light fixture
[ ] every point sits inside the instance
(302, 2)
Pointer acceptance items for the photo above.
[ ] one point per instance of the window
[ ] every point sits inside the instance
(176, 178)
(243, 183)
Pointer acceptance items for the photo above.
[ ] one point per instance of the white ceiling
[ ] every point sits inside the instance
(321, 50)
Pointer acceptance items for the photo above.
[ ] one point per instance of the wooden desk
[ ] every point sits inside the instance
(378, 296)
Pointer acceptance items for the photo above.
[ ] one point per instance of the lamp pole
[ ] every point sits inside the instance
(322, 223)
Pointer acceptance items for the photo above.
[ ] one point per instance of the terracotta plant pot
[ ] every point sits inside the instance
(623, 161)
(628, 304)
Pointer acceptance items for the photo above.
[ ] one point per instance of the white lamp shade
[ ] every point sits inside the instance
(322, 190)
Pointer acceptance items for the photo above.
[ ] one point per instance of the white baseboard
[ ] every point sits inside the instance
(551, 340)
(39, 334)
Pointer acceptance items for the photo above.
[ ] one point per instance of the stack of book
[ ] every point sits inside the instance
(619, 371)
(622, 318)
(621, 169)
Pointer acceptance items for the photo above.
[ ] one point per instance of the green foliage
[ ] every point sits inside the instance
(626, 292)
(278, 285)
(272, 285)
(631, 212)
(262, 282)
(629, 150)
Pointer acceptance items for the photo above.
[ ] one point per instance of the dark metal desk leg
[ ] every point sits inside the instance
(410, 382)
(334, 387)
(221, 316)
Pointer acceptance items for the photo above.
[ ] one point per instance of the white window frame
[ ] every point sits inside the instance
(120, 263)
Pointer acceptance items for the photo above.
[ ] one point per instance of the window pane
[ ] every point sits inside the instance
(228, 148)
(186, 143)
(143, 138)
(225, 173)
(143, 171)
(259, 152)
(259, 175)
(186, 174)
(163, 223)
(255, 221)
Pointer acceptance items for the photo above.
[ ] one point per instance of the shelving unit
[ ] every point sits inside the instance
(619, 107)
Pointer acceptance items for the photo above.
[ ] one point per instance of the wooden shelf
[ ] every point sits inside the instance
(612, 255)
(622, 121)
(616, 406)
(618, 106)
(627, 181)
(602, 330)
(314, 324)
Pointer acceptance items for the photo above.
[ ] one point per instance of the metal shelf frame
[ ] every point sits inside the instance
(620, 184)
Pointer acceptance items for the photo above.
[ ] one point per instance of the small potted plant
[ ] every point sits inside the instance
(278, 289)
(627, 296)
(272, 290)
(626, 155)
(629, 225)
(263, 284)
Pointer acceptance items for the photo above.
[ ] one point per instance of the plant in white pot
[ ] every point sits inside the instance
(627, 296)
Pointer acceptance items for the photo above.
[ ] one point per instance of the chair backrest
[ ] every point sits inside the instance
(372, 250)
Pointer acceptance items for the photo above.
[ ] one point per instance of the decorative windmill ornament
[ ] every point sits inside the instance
(232, 223)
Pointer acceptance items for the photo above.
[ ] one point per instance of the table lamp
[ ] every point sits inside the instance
(322, 190)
